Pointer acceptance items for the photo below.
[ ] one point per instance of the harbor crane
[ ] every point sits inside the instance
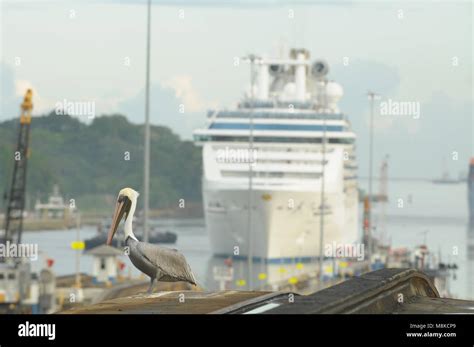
(15, 200)
(15, 271)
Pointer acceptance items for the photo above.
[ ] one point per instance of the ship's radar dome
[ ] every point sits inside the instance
(334, 93)
(334, 90)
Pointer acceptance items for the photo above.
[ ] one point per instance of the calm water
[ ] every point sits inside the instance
(437, 214)
(416, 211)
(192, 241)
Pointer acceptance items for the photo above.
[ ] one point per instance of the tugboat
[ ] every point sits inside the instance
(153, 237)
(445, 178)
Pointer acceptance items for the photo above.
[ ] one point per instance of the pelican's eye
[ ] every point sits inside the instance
(123, 198)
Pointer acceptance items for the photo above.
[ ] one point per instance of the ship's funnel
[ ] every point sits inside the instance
(263, 81)
(300, 77)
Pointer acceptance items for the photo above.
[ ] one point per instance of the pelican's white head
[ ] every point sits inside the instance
(129, 193)
(126, 205)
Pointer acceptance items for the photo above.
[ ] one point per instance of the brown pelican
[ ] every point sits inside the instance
(160, 263)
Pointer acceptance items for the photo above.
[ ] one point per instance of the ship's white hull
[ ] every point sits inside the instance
(284, 223)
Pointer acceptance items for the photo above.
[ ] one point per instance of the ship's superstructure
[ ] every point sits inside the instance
(268, 153)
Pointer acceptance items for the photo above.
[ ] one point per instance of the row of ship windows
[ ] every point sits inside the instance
(257, 174)
(280, 161)
(348, 158)
(277, 115)
(349, 162)
(204, 138)
(278, 150)
(283, 161)
(301, 127)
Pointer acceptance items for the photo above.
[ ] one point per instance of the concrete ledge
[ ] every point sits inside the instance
(171, 302)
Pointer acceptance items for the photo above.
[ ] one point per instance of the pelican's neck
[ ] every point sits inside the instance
(128, 222)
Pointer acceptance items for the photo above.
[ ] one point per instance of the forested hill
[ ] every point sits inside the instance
(92, 162)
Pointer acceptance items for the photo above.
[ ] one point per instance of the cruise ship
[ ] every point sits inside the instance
(278, 163)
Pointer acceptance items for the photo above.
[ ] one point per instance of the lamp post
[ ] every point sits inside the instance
(323, 169)
(146, 168)
(253, 59)
(372, 96)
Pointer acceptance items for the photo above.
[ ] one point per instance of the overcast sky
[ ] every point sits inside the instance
(405, 50)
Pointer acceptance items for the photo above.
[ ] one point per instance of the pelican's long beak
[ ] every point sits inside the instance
(120, 209)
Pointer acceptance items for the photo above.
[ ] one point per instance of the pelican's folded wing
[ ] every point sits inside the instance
(169, 261)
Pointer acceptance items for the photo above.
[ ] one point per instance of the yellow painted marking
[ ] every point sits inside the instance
(282, 270)
(292, 280)
(240, 283)
(262, 276)
(299, 266)
(343, 264)
(78, 245)
(266, 197)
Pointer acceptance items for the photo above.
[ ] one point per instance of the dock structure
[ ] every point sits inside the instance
(378, 292)
(176, 302)
(92, 292)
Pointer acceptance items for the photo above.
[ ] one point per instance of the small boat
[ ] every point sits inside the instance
(153, 237)
(445, 178)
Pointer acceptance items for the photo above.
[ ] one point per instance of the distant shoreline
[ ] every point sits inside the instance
(193, 210)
